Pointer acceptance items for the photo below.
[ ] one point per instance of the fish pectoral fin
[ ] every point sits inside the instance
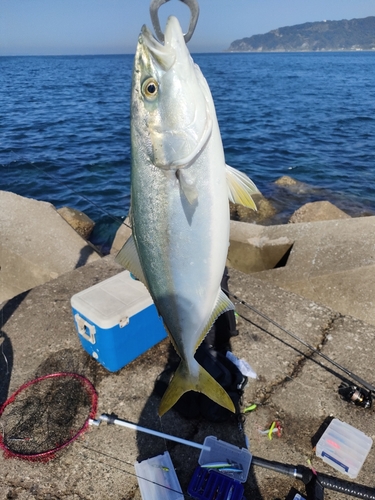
(222, 305)
(183, 382)
(128, 258)
(188, 188)
(240, 188)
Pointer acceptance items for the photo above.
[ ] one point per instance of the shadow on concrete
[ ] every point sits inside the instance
(85, 253)
(6, 349)
(6, 364)
(72, 361)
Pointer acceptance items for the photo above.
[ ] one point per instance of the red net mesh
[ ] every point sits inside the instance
(45, 415)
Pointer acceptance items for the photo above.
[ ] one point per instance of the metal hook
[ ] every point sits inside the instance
(194, 13)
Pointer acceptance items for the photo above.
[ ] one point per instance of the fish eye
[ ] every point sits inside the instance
(150, 88)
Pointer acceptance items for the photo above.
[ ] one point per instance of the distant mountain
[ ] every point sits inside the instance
(356, 34)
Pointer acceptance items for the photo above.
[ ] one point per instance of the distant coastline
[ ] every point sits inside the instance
(356, 35)
(323, 51)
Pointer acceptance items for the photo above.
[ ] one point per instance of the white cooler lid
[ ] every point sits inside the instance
(111, 301)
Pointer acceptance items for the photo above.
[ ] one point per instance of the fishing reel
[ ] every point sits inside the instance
(355, 395)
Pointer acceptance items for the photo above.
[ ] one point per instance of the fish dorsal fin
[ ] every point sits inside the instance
(188, 188)
(240, 188)
(128, 258)
(222, 305)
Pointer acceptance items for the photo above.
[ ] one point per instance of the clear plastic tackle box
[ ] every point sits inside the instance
(344, 447)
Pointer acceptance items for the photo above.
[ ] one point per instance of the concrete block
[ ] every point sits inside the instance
(36, 245)
(250, 251)
(292, 387)
(331, 262)
(122, 235)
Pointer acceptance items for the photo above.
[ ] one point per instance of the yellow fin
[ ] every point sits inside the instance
(183, 382)
(222, 305)
(128, 258)
(240, 188)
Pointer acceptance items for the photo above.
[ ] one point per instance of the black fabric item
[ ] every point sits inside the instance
(194, 404)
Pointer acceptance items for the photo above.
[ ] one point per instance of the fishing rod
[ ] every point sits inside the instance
(35, 432)
(315, 482)
(357, 395)
(360, 396)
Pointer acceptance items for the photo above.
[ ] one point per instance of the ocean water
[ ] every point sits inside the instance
(65, 128)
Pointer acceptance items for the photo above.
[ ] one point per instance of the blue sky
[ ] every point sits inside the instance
(54, 27)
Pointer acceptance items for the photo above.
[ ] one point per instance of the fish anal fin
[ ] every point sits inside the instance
(128, 258)
(222, 305)
(182, 382)
(240, 188)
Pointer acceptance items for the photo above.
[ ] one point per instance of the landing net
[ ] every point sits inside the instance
(45, 415)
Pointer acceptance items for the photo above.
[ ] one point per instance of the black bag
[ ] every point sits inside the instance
(194, 404)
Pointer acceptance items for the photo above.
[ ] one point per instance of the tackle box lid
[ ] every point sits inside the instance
(157, 479)
(111, 301)
(344, 447)
(220, 451)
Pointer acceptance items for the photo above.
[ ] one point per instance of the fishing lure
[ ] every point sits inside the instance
(250, 408)
(274, 429)
(217, 465)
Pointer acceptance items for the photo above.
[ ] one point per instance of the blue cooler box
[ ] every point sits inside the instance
(117, 320)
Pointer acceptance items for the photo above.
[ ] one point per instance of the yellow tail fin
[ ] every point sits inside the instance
(183, 382)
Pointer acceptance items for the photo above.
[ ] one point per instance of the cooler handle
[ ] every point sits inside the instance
(85, 329)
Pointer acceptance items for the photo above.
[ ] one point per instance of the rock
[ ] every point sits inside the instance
(294, 186)
(265, 210)
(317, 211)
(285, 180)
(79, 221)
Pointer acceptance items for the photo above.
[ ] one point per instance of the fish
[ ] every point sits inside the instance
(180, 185)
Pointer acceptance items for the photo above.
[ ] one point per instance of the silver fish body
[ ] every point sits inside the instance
(179, 202)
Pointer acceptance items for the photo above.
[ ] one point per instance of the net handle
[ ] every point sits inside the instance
(123, 423)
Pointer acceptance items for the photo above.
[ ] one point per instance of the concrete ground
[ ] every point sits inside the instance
(297, 388)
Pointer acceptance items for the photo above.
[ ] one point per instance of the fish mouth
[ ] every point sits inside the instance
(164, 55)
(179, 144)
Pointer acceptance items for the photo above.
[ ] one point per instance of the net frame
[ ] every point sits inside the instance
(50, 453)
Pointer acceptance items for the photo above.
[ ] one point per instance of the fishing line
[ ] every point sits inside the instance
(3, 353)
(355, 377)
(358, 379)
(59, 181)
(47, 414)
(128, 472)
